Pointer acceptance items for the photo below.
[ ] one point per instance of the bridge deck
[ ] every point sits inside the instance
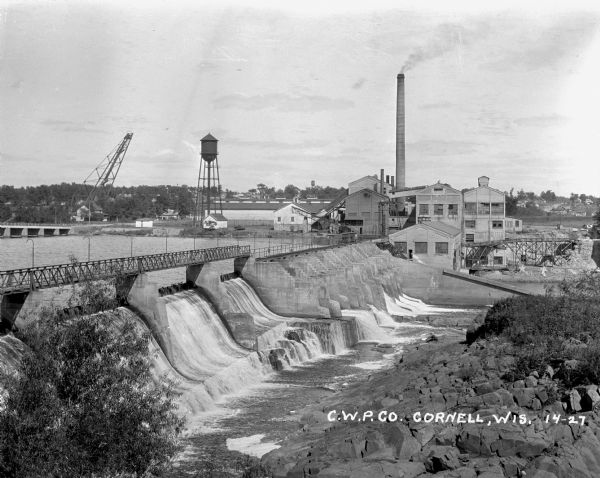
(33, 278)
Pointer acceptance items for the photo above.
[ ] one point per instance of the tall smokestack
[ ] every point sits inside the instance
(400, 147)
(381, 181)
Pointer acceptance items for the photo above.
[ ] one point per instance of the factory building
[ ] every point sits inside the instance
(249, 211)
(296, 217)
(439, 203)
(433, 243)
(483, 213)
(366, 212)
(371, 182)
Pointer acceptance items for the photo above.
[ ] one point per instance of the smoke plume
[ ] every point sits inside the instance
(446, 37)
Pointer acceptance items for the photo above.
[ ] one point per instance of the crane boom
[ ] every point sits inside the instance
(106, 172)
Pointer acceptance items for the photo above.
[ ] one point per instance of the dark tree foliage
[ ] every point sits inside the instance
(84, 401)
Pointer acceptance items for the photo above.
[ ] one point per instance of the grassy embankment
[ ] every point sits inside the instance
(552, 330)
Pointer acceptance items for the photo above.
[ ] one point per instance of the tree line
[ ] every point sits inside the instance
(58, 203)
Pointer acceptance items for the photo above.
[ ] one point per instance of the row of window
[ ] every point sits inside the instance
(421, 247)
(484, 208)
(470, 208)
(470, 224)
(438, 209)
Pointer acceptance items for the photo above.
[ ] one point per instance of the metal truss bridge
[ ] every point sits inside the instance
(43, 277)
(530, 251)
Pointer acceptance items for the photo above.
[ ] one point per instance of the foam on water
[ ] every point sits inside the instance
(251, 445)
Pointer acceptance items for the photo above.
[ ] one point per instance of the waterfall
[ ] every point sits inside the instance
(244, 299)
(384, 319)
(201, 349)
(201, 344)
(418, 307)
(368, 328)
(334, 336)
(330, 335)
(395, 308)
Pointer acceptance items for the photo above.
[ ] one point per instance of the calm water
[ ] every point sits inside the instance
(18, 253)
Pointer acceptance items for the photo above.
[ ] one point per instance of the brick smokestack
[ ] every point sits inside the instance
(400, 140)
(381, 181)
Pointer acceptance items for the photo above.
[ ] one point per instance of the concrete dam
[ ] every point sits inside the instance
(246, 318)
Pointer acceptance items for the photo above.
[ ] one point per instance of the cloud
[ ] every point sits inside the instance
(542, 121)
(283, 102)
(536, 48)
(359, 84)
(163, 153)
(72, 126)
(443, 148)
(16, 158)
(439, 105)
(279, 145)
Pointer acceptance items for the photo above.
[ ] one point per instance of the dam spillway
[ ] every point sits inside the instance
(224, 340)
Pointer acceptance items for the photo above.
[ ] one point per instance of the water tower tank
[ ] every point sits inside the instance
(208, 149)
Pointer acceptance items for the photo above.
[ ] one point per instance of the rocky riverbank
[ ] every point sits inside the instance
(547, 432)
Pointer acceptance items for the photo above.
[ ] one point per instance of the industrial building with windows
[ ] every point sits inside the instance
(484, 213)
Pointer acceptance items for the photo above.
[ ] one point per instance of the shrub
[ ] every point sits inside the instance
(551, 329)
(84, 400)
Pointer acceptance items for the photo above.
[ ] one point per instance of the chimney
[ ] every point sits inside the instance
(400, 147)
(392, 181)
(381, 182)
(387, 178)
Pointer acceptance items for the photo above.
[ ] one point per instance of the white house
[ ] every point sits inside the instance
(169, 215)
(144, 222)
(296, 217)
(513, 225)
(215, 221)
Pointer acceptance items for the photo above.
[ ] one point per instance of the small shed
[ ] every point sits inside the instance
(434, 243)
(144, 222)
(215, 221)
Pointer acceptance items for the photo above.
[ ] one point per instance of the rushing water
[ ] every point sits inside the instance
(256, 418)
(232, 397)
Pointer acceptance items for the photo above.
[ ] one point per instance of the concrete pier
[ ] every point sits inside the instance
(33, 230)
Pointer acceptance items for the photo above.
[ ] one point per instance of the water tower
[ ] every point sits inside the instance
(208, 193)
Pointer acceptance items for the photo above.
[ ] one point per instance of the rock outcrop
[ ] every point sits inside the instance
(457, 417)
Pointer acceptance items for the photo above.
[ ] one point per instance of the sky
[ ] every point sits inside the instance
(302, 91)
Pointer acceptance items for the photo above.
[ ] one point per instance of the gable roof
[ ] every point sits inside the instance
(217, 216)
(309, 208)
(447, 189)
(372, 178)
(370, 191)
(485, 187)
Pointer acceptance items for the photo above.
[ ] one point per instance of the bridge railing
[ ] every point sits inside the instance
(35, 224)
(289, 248)
(23, 280)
